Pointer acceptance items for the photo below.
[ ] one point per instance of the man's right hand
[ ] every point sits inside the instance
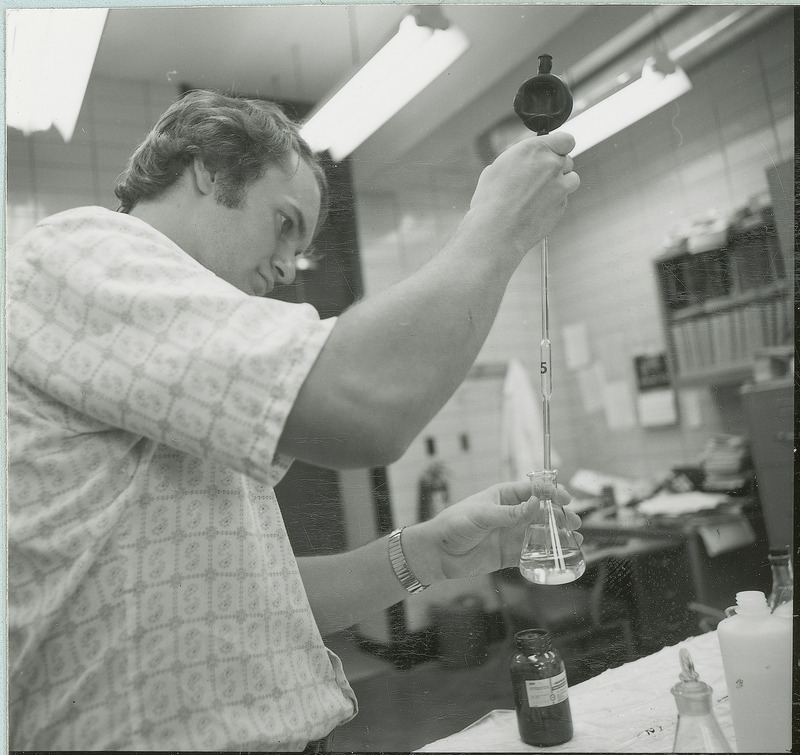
(521, 196)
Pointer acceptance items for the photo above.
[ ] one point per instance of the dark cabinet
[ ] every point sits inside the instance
(769, 415)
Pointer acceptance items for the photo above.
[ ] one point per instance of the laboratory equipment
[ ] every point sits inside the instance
(756, 648)
(781, 598)
(697, 729)
(541, 693)
(544, 101)
(551, 554)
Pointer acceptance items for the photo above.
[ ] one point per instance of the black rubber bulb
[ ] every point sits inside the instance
(543, 102)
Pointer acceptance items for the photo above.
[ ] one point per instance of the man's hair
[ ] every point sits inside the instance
(237, 139)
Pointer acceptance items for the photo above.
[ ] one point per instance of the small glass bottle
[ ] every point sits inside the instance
(697, 729)
(782, 595)
(550, 554)
(541, 694)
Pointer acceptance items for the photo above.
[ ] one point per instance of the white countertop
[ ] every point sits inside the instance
(626, 709)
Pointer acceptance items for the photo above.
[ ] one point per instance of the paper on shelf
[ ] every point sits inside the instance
(591, 382)
(675, 504)
(721, 538)
(691, 411)
(619, 406)
(657, 408)
(591, 483)
(575, 339)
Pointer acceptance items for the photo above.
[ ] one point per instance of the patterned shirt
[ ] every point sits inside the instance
(154, 599)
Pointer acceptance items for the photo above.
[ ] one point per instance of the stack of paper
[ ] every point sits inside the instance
(676, 504)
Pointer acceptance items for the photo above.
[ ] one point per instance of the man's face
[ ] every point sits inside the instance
(254, 246)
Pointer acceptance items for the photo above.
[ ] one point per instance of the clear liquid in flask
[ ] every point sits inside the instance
(550, 554)
(542, 569)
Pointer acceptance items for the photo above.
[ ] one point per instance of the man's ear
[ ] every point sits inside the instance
(203, 178)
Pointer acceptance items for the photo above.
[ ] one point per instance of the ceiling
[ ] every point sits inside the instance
(300, 53)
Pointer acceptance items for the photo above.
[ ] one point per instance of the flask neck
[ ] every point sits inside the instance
(692, 698)
(544, 483)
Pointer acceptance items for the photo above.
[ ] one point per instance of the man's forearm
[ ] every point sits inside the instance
(475, 536)
(346, 588)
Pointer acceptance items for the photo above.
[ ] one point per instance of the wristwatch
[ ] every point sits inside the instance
(398, 560)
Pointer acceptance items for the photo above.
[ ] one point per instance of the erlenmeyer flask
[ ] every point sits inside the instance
(697, 729)
(550, 554)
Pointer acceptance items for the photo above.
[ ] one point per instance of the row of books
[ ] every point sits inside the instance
(731, 337)
(747, 262)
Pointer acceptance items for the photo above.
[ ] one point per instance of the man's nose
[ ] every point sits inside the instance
(285, 269)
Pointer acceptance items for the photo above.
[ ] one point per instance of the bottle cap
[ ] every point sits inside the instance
(779, 556)
(781, 552)
(751, 602)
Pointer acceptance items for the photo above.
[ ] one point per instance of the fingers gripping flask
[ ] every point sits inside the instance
(550, 553)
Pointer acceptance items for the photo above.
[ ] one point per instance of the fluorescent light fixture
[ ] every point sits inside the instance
(627, 106)
(50, 57)
(397, 73)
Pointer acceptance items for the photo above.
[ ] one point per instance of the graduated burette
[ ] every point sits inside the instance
(550, 554)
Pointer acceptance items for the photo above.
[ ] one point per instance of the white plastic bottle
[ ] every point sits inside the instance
(756, 651)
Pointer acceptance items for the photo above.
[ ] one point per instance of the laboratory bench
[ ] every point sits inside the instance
(618, 703)
(624, 709)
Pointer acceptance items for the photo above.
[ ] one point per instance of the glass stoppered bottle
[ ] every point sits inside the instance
(541, 694)
(781, 598)
(697, 729)
(550, 553)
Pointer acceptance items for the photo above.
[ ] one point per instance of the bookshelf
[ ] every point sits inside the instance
(724, 299)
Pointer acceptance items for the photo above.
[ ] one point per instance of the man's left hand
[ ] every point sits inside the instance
(481, 534)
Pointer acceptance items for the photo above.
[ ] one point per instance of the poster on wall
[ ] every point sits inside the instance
(656, 398)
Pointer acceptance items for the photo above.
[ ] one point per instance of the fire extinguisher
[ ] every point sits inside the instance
(434, 492)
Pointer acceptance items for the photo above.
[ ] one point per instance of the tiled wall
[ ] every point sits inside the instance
(46, 176)
(707, 152)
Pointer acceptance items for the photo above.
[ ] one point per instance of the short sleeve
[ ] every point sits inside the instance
(109, 317)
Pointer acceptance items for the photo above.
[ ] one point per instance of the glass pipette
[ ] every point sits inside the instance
(545, 368)
(550, 553)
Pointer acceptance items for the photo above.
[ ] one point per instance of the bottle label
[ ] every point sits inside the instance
(543, 692)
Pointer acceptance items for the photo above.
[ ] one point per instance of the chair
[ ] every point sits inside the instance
(590, 627)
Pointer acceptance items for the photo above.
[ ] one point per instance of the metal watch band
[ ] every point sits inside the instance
(400, 565)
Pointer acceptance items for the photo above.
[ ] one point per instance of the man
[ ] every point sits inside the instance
(155, 398)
